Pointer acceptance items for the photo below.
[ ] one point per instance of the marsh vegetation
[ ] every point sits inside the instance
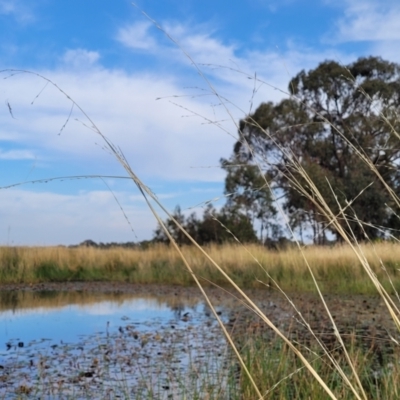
(336, 268)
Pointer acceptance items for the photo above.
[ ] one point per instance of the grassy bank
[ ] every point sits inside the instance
(280, 375)
(336, 268)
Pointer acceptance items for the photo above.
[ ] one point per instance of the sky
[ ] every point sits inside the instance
(166, 82)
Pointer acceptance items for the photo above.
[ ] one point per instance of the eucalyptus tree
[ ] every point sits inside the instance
(214, 227)
(338, 125)
(248, 193)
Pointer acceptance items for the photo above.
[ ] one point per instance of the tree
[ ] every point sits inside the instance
(336, 116)
(174, 230)
(214, 227)
(248, 194)
(225, 226)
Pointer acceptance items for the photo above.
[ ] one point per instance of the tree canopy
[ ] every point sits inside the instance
(214, 227)
(337, 122)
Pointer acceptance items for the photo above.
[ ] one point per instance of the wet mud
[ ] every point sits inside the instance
(133, 363)
(364, 324)
(184, 356)
(360, 315)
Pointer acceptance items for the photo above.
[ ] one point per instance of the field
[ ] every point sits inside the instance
(267, 276)
(336, 268)
(281, 286)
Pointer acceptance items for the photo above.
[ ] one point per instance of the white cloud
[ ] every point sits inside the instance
(17, 155)
(137, 36)
(158, 138)
(200, 44)
(154, 137)
(232, 64)
(80, 58)
(368, 21)
(48, 218)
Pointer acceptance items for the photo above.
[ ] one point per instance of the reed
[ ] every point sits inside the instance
(280, 375)
(336, 268)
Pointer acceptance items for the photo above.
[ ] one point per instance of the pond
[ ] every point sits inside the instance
(56, 345)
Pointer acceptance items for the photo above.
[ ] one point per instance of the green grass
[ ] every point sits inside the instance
(280, 375)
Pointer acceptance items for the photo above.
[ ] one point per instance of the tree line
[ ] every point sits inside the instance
(337, 122)
(339, 126)
(213, 227)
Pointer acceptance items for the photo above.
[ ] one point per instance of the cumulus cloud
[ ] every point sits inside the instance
(230, 65)
(137, 36)
(155, 138)
(177, 139)
(368, 21)
(80, 58)
(161, 139)
(201, 44)
(39, 218)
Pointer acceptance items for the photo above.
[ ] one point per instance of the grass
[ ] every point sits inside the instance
(294, 370)
(336, 268)
(279, 374)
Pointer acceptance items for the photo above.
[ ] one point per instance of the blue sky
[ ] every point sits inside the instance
(145, 95)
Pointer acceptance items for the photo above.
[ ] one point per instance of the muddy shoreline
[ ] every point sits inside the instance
(346, 309)
(132, 353)
(357, 316)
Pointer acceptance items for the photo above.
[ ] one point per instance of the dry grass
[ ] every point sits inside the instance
(336, 268)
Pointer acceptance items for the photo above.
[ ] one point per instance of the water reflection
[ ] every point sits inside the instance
(19, 300)
(68, 321)
(66, 343)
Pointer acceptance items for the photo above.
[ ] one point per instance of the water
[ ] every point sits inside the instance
(66, 323)
(106, 347)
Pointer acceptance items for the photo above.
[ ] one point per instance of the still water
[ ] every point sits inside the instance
(76, 345)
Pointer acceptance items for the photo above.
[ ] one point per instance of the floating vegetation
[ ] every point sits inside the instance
(184, 357)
